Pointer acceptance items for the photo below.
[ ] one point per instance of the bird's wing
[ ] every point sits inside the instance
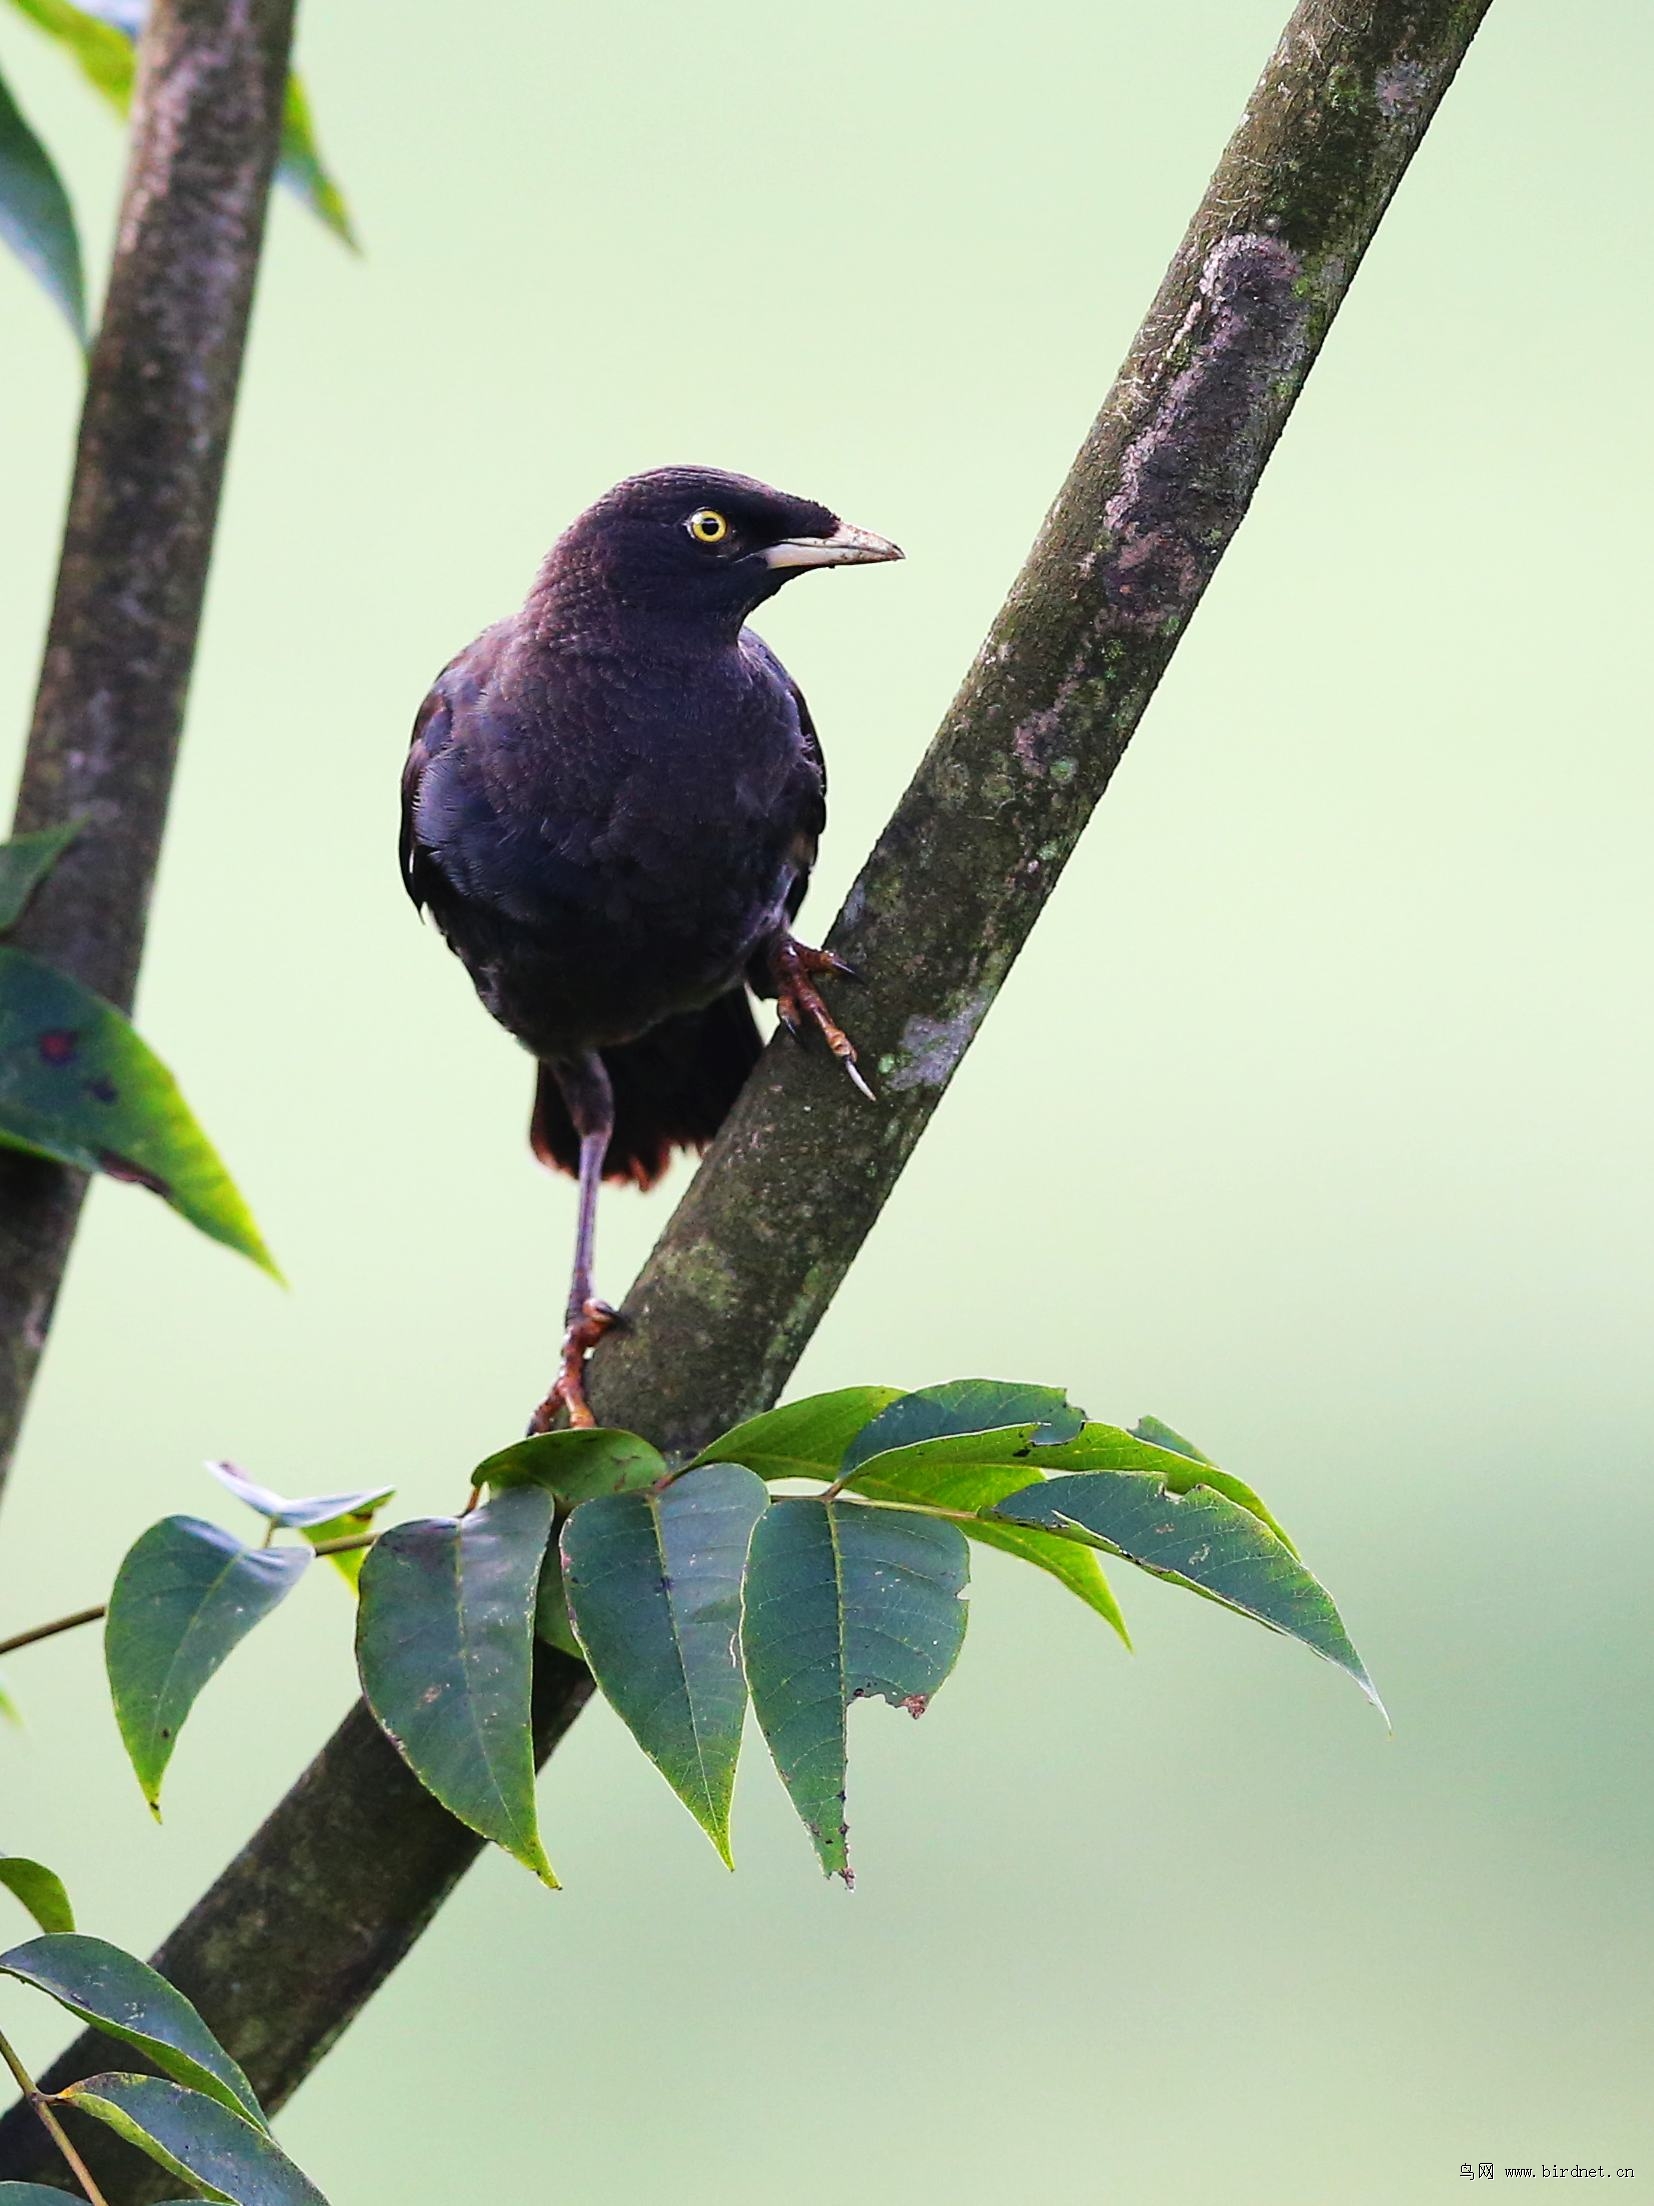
(431, 731)
(808, 788)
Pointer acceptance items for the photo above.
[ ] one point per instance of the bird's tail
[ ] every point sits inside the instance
(673, 1088)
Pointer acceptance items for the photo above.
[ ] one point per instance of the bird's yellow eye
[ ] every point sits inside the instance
(708, 527)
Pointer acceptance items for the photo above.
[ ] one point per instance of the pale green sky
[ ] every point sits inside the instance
(1314, 1120)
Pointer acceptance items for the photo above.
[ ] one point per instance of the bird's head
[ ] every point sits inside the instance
(697, 543)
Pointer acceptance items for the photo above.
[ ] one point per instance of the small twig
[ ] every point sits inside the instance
(38, 2100)
(51, 1630)
(339, 1547)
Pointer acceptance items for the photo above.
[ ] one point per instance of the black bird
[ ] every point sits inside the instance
(611, 807)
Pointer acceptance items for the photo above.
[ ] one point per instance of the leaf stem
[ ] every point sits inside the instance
(49, 1631)
(332, 1547)
(59, 2136)
(908, 1508)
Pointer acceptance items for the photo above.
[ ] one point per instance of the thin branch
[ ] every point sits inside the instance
(50, 1631)
(160, 394)
(35, 2098)
(307, 1922)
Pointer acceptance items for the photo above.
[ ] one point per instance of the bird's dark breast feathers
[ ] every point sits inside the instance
(606, 839)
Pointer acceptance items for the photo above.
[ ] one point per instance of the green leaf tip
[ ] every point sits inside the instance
(444, 1646)
(653, 1584)
(36, 219)
(78, 1083)
(25, 862)
(40, 1890)
(1197, 1538)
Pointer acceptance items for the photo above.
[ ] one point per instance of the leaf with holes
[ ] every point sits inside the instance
(223, 2154)
(802, 1439)
(575, 1465)
(40, 1889)
(36, 219)
(1198, 1539)
(654, 1590)
(1223, 1482)
(126, 1999)
(445, 1645)
(79, 1084)
(963, 1405)
(24, 863)
(842, 1603)
(184, 1598)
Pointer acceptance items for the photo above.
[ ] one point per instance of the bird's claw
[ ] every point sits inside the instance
(568, 1391)
(798, 1002)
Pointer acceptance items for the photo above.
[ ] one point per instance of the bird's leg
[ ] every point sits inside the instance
(793, 967)
(584, 1083)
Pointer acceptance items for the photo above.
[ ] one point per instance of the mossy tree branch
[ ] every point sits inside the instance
(309, 1919)
(154, 430)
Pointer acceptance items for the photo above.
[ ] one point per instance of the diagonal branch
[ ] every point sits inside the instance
(153, 435)
(305, 1924)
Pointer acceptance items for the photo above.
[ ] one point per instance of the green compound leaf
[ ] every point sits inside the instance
(77, 1083)
(100, 38)
(963, 1405)
(36, 219)
(575, 1465)
(223, 2154)
(126, 1999)
(802, 1439)
(654, 1589)
(1198, 1539)
(27, 859)
(40, 1889)
(184, 1598)
(843, 1603)
(445, 1645)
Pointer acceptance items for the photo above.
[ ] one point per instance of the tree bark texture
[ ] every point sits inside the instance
(754, 1253)
(154, 430)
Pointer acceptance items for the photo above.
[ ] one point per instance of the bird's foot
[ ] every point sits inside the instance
(799, 1002)
(568, 1392)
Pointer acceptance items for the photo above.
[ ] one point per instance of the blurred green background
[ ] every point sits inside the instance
(1314, 1120)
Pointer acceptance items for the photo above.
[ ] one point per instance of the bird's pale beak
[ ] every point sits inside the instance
(846, 547)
